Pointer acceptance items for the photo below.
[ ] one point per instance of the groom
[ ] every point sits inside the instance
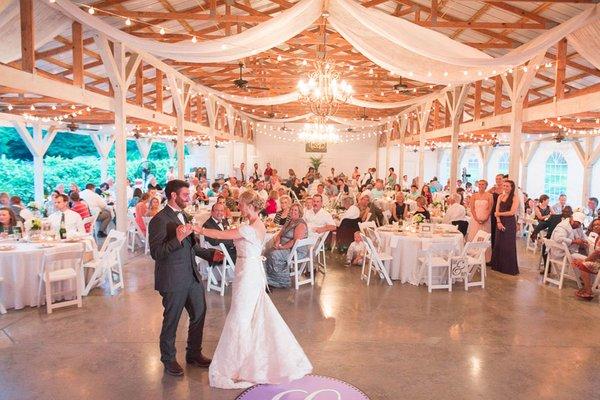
(174, 251)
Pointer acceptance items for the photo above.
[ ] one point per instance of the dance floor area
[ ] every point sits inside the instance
(516, 339)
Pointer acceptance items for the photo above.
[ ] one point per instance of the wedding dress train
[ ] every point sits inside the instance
(256, 345)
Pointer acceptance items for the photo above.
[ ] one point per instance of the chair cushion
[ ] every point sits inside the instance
(62, 274)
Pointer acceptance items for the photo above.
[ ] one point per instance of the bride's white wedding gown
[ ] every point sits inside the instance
(256, 345)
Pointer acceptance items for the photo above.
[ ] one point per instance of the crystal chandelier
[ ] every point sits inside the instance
(319, 132)
(323, 92)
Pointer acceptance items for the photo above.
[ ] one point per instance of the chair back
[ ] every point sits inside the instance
(363, 225)
(592, 238)
(439, 249)
(482, 236)
(476, 250)
(226, 256)
(306, 242)
(74, 257)
(320, 241)
(113, 235)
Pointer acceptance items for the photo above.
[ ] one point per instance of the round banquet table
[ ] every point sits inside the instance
(20, 268)
(404, 247)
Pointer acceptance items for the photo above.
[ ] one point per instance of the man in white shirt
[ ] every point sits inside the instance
(256, 173)
(317, 219)
(352, 211)
(97, 205)
(455, 211)
(568, 232)
(240, 173)
(558, 207)
(367, 177)
(260, 189)
(63, 214)
(321, 192)
(404, 183)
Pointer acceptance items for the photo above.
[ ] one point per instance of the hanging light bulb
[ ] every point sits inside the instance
(32, 108)
(162, 31)
(194, 40)
(91, 10)
(10, 107)
(128, 22)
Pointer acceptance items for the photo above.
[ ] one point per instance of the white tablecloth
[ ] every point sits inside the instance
(405, 249)
(20, 269)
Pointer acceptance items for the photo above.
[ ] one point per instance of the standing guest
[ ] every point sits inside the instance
(256, 173)
(137, 195)
(218, 221)
(281, 216)
(241, 174)
(481, 208)
(276, 267)
(399, 208)
(271, 203)
(8, 221)
(426, 192)
(504, 254)
(333, 175)
(64, 216)
(317, 219)
(268, 172)
(81, 208)
(422, 208)
(98, 206)
(21, 212)
(141, 209)
(174, 250)
(558, 207)
(367, 178)
(495, 191)
(356, 174)
(153, 207)
(356, 251)
(391, 178)
(404, 183)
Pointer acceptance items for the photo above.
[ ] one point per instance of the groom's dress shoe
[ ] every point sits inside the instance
(198, 361)
(173, 368)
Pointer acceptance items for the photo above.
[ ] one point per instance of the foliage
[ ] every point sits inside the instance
(316, 162)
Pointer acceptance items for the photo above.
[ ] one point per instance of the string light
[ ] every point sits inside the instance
(91, 10)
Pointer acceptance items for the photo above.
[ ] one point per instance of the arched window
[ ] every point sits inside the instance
(555, 181)
(473, 169)
(503, 164)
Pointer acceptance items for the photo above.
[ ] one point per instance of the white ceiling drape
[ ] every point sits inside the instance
(587, 42)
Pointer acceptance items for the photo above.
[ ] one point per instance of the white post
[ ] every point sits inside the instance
(211, 111)
(180, 147)
(455, 101)
(529, 150)
(588, 156)
(402, 149)
(144, 145)
(103, 144)
(423, 118)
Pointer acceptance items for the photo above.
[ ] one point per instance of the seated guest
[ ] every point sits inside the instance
(379, 190)
(348, 223)
(591, 210)
(591, 265)
(455, 211)
(544, 216)
(277, 270)
(356, 252)
(214, 190)
(8, 221)
(271, 203)
(81, 208)
(321, 191)
(73, 188)
(137, 194)
(317, 219)
(397, 188)
(594, 227)
(399, 208)
(342, 187)
(230, 203)
(426, 192)
(71, 220)
(218, 221)
(153, 207)
(435, 185)
(260, 190)
(141, 209)
(369, 210)
(21, 212)
(567, 232)
(558, 207)
(331, 190)
(422, 207)
(97, 205)
(281, 216)
(199, 195)
(308, 205)
(414, 192)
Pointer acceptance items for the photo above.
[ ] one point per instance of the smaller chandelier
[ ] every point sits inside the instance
(319, 132)
(323, 92)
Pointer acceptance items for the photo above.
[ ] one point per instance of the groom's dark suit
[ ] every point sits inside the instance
(177, 279)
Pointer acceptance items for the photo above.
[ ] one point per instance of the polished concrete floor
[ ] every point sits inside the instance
(514, 340)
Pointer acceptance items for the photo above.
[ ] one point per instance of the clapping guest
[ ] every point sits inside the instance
(8, 221)
(422, 207)
(281, 216)
(399, 208)
(276, 267)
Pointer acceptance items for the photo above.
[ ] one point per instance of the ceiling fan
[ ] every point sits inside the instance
(73, 127)
(241, 83)
(400, 85)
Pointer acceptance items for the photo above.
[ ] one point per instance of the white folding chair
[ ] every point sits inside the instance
(474, 254)
(133, 234)
(2, 308)
(482, 236)
(374, 261)
(531, 245)
(50, 274)
(298, 264)
(319, 252)
(558, 263)
(438, 258)
(146, 238)
(365, 225)
(107, 264)
(227, 265)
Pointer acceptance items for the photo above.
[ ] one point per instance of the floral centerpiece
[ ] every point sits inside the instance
(36, 224)
(437, 209)
(418, 219)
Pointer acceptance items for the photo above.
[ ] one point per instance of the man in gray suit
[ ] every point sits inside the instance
(174, 249)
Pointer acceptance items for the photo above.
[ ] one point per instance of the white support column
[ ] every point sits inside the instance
(211, 111)
(232, 157)
(38, 146)
(403, 124)
(529, 150)
(485, 152)
(423, 117)
(387, 151)
(180, 146)
(588, 154)
(245, 149)
(455, 101)
(103, 143)
(171, 151)
(181, 94)
(144, 145)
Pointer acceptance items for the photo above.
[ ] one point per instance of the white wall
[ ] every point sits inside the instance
(343, 156)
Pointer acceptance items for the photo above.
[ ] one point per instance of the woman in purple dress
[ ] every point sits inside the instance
(504, 254)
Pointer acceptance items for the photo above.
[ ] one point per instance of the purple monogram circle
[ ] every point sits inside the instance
(311, 387)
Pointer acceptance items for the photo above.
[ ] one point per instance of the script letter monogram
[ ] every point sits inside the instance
(311, 396)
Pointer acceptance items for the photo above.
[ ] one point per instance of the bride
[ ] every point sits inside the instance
(256, 345)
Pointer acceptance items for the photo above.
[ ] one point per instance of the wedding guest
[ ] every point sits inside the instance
(368, 177)
(214, 189)
(558, 207)
(271, 203)
(422, 208)
(200, 196)
(543, 215)
(495, 191)
(504, 253)
(8, 221)
(171, 174)
(291, 177)
(97, 205)
(64, 216)
(260, 190)
(481, 208)
(356, 174)
(455, 211)
(137, 195)
(590, 265)
(281, 216)
(73, 188)
(591, 210)
(60, 188)
(256, 173)
(391, 178)
(435, 185)
(379, 190)
(153, 207)
(308, 205)
(81, 208)
(218, 221)
(569, 232)
(348, 223)
(230, 203)
(426, 192)
(4, 200)
(276, 267)
(369, 210)
(153, 184)
(356, 251)
(397, 188)
(141, 209)
(414, 192)
(321, 191)
(268, 172)
(399, 208)
(404, 183)
(21, 212)
(318, 219)
(342, 187)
